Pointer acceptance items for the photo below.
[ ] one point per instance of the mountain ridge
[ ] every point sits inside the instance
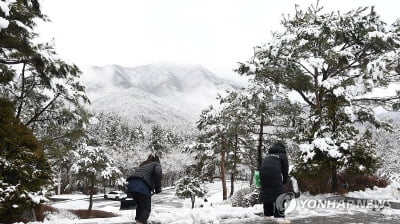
(171, 96)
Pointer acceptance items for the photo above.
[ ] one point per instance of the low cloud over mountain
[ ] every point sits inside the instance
(164, 94)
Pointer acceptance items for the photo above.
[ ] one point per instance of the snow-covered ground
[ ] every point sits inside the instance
(167, 208)
(390, 193)
(77, 196)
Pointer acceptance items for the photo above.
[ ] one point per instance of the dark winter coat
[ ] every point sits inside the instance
(273, 174)
(151, 173)
(137, 185)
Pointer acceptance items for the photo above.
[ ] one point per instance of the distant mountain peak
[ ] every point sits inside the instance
(161, 79)
(154, 92)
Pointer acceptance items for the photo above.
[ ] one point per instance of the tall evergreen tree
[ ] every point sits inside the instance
(332, 61)
(44, 90)
(270, 114)
(231, 132)
(234, 119)
(24, 170)
(214, 133)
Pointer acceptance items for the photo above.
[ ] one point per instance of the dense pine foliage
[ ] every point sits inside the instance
(24, 169)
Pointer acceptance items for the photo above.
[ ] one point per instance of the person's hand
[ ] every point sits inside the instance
(158, 190)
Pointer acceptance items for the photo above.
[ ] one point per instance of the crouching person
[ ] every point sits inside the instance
(142, 184)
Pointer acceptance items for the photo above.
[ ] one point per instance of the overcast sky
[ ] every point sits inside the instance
(214, 33)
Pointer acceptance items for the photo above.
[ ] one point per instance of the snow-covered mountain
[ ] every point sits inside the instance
(164, 94)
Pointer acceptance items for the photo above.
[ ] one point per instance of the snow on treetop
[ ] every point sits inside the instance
(381, 35)
(308, 151)
(3, 23)
(332, 82)
(325, 144)
(350, 113)
(5, 6)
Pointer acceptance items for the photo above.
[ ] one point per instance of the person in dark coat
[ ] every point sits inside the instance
(273, 177)
(142, 184)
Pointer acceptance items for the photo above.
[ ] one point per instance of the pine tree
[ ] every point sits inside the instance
(24, 170)
(92, 166)
(236, 127)
(214, 134)
(270, 114)
(157, 140)
(45, 90)
(332, 61)
(229, 130)
(190, 187)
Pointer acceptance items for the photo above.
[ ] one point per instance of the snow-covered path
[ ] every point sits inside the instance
(360, 218)
(167, 200)
(168, 209)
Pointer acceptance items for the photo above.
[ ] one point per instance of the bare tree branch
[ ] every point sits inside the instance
(43, 110)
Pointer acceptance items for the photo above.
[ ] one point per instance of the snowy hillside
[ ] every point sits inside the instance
(165, 94)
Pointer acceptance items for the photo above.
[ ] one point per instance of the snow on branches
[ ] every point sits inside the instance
(5, 10)
(190, 187)
(94, 163)
(332, 61)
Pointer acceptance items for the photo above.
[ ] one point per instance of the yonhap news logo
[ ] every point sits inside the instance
(287, 203)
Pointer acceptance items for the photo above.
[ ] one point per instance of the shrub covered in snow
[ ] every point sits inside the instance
(190, 187)
(246, 197)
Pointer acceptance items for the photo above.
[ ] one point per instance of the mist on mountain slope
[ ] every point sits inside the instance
(171, 96)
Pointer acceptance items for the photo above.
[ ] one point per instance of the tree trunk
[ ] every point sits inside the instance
(193, 198)
(223, 176)
(233, 174)
(317, 89)
(68, 180)
(91, 196)
(251, 177)
(232, 184)
(21, 97)
(32, 120)
(260, 142)
(59, 182)
(334, 181)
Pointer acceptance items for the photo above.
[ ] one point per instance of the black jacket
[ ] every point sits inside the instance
(151, 173)
(273, 174)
